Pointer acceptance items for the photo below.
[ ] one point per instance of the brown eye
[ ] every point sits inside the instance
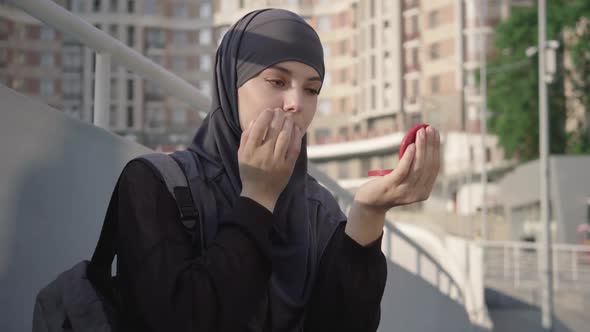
(276, 83)
(313, 91)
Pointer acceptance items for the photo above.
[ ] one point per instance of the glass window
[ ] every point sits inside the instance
(205, 87)
(325, 107)
(130, 87)
(179, 64)
(324, 23)
(179, 116)
(435, 84)
(130, 6)
(47, 60)
(205, 37)
(114, 6)
(150, 7)
(131, 36)
(205, 11)
(434, 51)
(322, 135)
(47, 33)
(46, 87)
(130, 117)
(433, 19)
(180, 38)
(180, 10)
(96, 6)
(205, 62)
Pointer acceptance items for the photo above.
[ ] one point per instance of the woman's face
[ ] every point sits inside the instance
(291, 86)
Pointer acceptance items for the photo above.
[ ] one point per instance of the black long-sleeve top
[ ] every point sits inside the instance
(164, 288)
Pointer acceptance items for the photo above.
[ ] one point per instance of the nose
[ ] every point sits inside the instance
(293, 101)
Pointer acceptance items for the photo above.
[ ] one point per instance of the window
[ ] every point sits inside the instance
(365, 167)
(180, 10)
(325, 107)
(324, 23)
(18, 83)
(205, 37)
(114, 6)
(156, 117)
(373, 33)
(130, 86)
(416, 88)
(373, 97)
(343, 170)
(180, 38)
(130, 6)
(372, 8)
(179, 116)
(96, 6)
(205, 87)
(205, 11)
(414, 24)
(322, 135)
(179, 64)
(150, 7)
(47, 33)
(435, 84)
(20, 58)
(433, 19)
(373, 67)
(327, 80)
(47, 60)
(155, 38)
(113, 31)
(434, 51)
(205, 62)
(131, 36)
(130, 116)
(47, 87)
(415, 59)
(113, 116)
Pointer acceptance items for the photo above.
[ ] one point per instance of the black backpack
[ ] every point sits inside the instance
(85, 297)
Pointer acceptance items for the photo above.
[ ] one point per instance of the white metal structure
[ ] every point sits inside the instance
(516, 264)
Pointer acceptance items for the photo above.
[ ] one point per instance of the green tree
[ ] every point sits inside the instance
(513, 81)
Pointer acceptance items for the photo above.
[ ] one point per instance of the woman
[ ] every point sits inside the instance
(281, 256)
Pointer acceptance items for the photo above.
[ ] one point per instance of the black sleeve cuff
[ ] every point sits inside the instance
(254, 220)
(371, 251)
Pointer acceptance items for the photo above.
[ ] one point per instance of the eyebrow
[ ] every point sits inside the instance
(287, 71)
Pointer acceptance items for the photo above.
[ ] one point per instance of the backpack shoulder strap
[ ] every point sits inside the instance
(178, 185)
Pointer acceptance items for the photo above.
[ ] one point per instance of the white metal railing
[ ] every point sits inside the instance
(107, 47)
(516, 264)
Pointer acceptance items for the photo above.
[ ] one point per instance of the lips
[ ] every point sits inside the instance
(409, 138)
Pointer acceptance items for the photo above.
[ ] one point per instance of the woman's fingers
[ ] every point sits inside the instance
(295, 144)
(403, 168)
(276, 125)
(283, 140)
(256, 132)
(420, 159)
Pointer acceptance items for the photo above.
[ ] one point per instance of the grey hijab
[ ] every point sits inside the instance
(305, 215)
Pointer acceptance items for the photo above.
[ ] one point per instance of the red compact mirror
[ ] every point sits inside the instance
(408, 139)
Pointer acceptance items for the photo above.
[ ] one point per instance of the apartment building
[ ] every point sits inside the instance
(176, 34)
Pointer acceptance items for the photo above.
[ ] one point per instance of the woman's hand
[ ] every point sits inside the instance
(267, 161)
(411, 181)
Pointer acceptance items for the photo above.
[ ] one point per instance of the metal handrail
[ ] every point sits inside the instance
(516, 264)
(106, 46)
